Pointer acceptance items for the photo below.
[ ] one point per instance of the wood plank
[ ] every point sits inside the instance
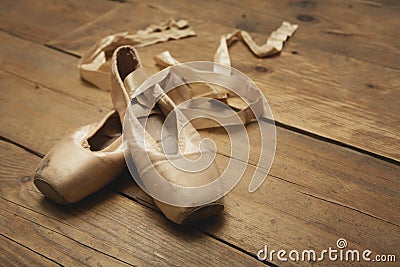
(248, 222)
(322, 115)
(106, 225)
(274, 212)
(89, 33)
(67, 114)
(361, 111)
(42, 115)
(13, 254)
(303, 222)
(49, 243)
(314, 191)
(284, 216)
(329, 94)
(341, 27)
(41, 21)
(74, 120)
(328, 171)
(46, 67)
(293, 215)
(301, 206)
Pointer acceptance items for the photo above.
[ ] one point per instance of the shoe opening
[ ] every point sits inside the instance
(107, 134)
(127, 61)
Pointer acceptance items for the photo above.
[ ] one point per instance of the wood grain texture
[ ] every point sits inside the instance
(63, 114)
(335, 95)
(338, 77)
(347, 28)
(106, 228)
(13, 254)
(41, 21)
(47, 67)
(341, 27)
(324, 170)
(300, 206)
(133, 18)
(41, 115)
(315, 193)
(45, 241)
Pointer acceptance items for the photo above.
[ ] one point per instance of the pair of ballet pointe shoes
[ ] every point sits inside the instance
(93, 156)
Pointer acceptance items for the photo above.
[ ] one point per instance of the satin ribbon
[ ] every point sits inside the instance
(94, 66)
(249, 105)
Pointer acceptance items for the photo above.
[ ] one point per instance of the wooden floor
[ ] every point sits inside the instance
(334, 92)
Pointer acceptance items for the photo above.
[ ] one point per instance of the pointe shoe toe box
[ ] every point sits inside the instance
(71, 171)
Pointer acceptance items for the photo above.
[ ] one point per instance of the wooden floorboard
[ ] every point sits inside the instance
(316, 104)
(333, 90)
(41, 21)
(45, 241)
(106, 229)
(14, 254)
(313, 176)
(341, 27)
(286, 214)
(44, 114)
(327, 93)
(352, 34)
(46, 67)
(36, 117)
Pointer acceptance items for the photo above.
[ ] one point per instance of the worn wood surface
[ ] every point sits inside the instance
(334, 90)
(106, 228)
(318, 87)
(25, 256)
(41, 21)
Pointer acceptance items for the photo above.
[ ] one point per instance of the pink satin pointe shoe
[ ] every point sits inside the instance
(83, 162)
(125, 61)
(93, 156)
